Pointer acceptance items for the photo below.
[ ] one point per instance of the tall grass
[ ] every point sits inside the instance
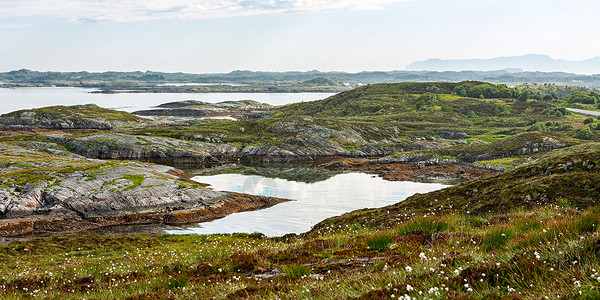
(496, 238)
(422, 226)
(296, 271)
(587, 223)
(380, 242)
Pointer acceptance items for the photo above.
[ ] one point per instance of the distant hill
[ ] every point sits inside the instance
(503, 70)
(529, 62)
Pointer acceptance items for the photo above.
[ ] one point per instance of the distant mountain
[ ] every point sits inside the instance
(529, 62)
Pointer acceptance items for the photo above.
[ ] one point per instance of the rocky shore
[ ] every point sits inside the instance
(448, 173)
(45, 191)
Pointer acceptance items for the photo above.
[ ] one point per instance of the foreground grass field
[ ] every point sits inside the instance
(551, 251)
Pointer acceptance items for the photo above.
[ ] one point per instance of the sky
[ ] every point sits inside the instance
(219, 36)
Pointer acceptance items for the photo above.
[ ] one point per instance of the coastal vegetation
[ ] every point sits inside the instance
(430, 246)
(524, 228)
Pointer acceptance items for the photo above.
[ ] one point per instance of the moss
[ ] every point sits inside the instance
(137, 180)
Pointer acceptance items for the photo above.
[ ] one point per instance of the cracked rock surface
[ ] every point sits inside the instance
(41, 185)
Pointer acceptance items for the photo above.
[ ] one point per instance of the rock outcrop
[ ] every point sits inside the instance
(452, 135)
(244, 109)
(69, 117)
(46, 188)
(175, 151)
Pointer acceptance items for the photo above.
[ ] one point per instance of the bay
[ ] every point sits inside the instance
(12, 99)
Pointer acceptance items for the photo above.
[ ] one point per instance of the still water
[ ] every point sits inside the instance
(12, 99)
(313, 203)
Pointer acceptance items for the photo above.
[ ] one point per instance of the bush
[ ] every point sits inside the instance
(581, 97)
(537, 127)
(557, 112)
(583, 134)
(588, 120)
(485, 90)
(380, 242)
(446, 108)
(426, 99)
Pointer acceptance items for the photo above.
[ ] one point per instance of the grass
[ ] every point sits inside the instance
(380, 242)
(481, 239)
(491, 261)
(587, 223)
(296, 271)
(423, 226)
(496, 239)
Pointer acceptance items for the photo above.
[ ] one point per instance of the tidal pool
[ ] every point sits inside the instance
(313, 203)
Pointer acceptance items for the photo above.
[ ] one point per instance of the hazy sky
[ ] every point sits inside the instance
(202, 36)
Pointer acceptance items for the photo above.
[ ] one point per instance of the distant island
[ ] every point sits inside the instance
(508, 70)
(529, 62)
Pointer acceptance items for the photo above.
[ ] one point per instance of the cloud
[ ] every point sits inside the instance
(142, 10)
(14, 26)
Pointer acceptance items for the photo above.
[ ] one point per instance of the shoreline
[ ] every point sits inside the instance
(34, 226)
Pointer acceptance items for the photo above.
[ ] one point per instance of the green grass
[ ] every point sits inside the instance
(296, 271)
(380, 242)
(496, 239)
(423, 226)
(504, 259)
(587, 223)
(526, 233)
